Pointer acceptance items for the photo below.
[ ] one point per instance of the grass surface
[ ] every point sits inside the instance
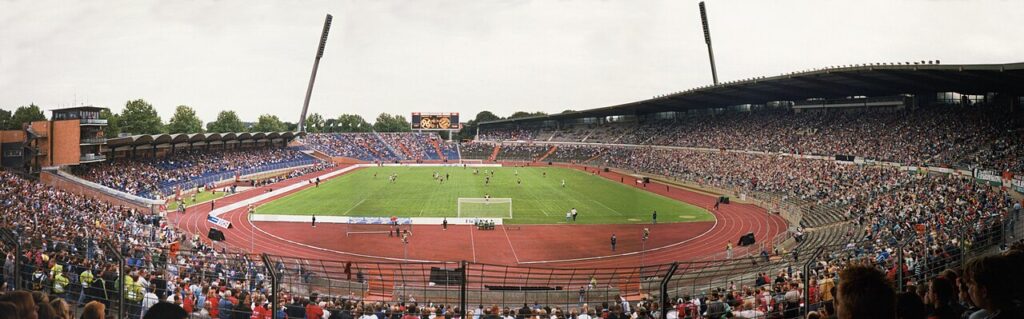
(201, 197)
(538, 200)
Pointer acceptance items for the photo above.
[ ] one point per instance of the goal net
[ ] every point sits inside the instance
(485, 207)
(472, 161)
(378, 226)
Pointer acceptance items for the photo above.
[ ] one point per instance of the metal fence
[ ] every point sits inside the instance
(85, 269)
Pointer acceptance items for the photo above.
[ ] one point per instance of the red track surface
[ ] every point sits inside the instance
(535, 245)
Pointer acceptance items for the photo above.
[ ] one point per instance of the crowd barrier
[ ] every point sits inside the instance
(464, 285)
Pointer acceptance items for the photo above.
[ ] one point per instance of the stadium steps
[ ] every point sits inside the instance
(380, 139)
(549, 152)
(589, 133)
(366, 146)
(437, 148)
(380, 285)
(405, 150)
(494, 153)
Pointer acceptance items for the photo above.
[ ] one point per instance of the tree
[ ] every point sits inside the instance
(184, 121)
(468, 131)
(391, 123)
(113, 128)
(5, 120)
(568, 111)
(289, 126)
(268, 123)
(227, 122)
(26, 114)
(331, 125)
(315, 123)
(522, 114)
(352, 123)
(139, 117)
(485, 116)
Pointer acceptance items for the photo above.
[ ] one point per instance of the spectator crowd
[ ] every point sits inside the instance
(157, 177)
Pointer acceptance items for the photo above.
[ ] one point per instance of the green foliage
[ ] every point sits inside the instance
(315, 123)
(113, 127)
(268, 123)
(139, 117)
(227, 122)
(347, 123)
(485, 116)
(522, 114)
(289, 126)
(26, 114)
(391, 123)
(539, 199)
(468, 130)
(184, 121)
(568, 111)
(5, 120)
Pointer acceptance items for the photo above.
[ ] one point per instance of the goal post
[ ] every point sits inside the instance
(476, 207)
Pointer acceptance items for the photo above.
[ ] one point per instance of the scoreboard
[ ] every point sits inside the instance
(435, 121)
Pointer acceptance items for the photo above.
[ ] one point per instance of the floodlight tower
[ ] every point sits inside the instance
(312, 77)
(707, 39)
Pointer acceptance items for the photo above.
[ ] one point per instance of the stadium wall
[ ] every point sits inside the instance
(68, 185)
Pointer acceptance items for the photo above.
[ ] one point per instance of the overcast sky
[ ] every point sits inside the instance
(255, 57)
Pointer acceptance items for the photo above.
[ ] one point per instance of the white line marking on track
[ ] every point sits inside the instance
(472, 242)
(510, 243)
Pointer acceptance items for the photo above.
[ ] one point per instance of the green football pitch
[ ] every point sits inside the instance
(536, 193)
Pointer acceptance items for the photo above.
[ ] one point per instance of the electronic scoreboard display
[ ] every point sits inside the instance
(435, 121)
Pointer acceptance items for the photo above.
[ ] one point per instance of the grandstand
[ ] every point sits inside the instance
(909, 183)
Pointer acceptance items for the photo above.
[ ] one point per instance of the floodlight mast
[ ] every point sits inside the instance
(312, 77)
(707, 39)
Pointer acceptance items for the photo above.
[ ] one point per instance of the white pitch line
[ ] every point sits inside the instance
(605, 206)
(354, 206)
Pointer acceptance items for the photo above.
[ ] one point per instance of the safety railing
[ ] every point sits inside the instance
(86, 269)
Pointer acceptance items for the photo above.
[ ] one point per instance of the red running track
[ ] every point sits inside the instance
(534, 245)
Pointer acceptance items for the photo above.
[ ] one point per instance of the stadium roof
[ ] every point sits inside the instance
(159, 139)
(828, 83)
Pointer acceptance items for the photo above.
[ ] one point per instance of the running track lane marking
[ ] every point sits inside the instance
(624, 254)
(337, 251)
(472, 243)
(509, 240)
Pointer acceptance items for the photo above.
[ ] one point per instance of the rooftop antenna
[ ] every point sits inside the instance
(707, 39)
(312, 77)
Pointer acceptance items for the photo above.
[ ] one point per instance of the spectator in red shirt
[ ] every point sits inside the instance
(313, 310)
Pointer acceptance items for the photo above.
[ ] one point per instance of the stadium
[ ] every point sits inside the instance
(807, 194)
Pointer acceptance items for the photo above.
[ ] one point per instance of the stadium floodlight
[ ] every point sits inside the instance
(312, 77)
(707, 39)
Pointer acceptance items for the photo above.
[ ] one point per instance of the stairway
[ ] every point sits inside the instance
(366, 146)
(437, 148)
(405, 150)
(494, 154)
(380, 139)
(380, 285)
(550, 151)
